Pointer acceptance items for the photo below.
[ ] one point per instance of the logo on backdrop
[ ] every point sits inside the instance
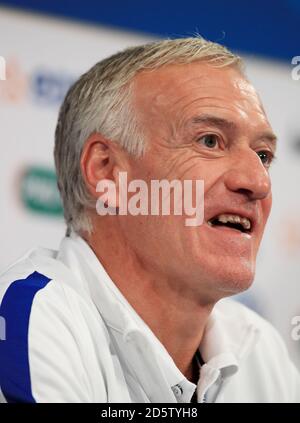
(296, 68)
(39, 192)
(43, 86)
(48, 87)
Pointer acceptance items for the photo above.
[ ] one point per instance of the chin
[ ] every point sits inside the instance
(235, 281)
(232, 278)
(233, 287)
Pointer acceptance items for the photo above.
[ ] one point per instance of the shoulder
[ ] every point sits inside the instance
(25, 286)
(266, 363)
(44, 334)
(237, 314)
(40, 280)
(238, 318)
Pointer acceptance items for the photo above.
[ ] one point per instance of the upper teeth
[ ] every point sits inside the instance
(233, 218)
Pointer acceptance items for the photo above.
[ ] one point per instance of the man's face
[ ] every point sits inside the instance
(203, 123)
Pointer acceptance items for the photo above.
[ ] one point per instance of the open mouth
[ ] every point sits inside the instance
(233, 221)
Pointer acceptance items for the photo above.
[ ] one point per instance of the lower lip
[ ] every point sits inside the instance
(230, 232)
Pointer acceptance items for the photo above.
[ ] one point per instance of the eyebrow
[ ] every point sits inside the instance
(214, 120)
(228, 124)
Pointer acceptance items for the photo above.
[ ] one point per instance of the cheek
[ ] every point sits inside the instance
(266, 207)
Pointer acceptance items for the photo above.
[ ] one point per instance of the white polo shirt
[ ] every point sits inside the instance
(71, 336)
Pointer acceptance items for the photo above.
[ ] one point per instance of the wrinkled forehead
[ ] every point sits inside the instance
(176, 89)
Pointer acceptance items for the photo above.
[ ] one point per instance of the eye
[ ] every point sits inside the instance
(266, 157)
(209, 140)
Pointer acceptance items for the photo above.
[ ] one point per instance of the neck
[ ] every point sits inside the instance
(175, 317)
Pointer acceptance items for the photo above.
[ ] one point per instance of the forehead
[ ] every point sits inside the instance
(181, 90)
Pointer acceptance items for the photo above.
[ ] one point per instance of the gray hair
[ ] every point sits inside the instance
(100, 101)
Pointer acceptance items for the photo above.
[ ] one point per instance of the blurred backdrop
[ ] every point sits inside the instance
(46, 45)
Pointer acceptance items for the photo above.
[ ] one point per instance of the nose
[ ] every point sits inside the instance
(247, 175)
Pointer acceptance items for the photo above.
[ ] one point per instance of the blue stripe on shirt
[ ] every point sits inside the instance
(15, 308)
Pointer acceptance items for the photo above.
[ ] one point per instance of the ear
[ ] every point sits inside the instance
(101, 159)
